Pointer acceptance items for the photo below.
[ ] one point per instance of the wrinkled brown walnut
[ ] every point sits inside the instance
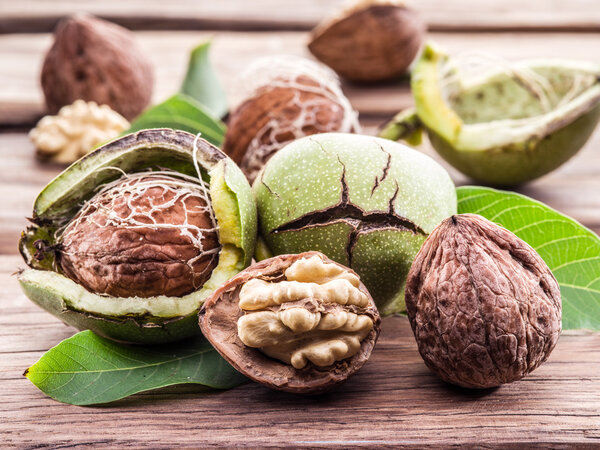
(484, 307)
(298, 323)
(95, 60)
(143, 235)
(373, 40)
(298, 98)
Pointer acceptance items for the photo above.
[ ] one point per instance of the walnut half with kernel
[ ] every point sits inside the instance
(297, 323)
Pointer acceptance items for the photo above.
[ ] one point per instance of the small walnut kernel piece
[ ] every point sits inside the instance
(318, 319)
(76, 130)
(314, 270)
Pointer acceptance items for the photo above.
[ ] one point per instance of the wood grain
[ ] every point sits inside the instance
(394, 401)
(572, 189)
(456, 15)
(21, 98)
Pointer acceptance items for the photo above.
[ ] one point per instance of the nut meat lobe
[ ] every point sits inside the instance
(484, 307)
(310, 323)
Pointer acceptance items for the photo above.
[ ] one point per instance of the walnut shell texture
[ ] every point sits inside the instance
(373, 41)
(301, 98)
(145, 236)
(483, 305)
(219, 318)
(99, 61)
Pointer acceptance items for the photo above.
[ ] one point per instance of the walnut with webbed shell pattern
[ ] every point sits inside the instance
(284, 98)
(145, 234)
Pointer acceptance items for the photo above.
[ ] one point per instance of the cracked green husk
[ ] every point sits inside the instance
(140, 320)
(506, 126)
(394, 197)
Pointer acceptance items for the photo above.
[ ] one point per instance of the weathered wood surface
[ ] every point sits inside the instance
(21, 98)
(572, 189)
(455, 15)
(393, 401)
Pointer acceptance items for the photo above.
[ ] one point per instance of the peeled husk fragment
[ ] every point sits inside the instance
(501, 123)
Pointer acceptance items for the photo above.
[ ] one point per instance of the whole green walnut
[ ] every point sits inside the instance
(365, 202)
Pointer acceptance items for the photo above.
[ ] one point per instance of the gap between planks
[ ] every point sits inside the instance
(21, 99)
(275, 15)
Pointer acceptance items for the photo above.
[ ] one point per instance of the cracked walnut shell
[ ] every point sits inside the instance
(484, 307)
(298, 323)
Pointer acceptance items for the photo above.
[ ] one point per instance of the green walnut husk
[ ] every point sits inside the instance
(504, 126)
(365, 202)
(151, 320)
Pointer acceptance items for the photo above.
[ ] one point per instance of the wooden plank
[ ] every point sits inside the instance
(393, 402)
(572, 189)
(456, 15)
(21, 99)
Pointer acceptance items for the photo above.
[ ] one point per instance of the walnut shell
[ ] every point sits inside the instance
(375, 40)
(300, 98)
(146, 235)
(95, 60)
(219, 322)
(484, 307)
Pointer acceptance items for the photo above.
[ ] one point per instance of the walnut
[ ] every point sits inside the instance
(76, 130)
(299, 323)
(145, 234)
(484, 307)
(95, 60)
(373, 40)
(284, 98)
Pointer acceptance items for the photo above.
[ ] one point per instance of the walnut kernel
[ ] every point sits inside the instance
(296, 333)
(76, 130)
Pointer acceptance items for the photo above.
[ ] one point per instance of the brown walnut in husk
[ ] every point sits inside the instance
(484, 307)
(144, 235)
(373, 40)
(95, 60)
(298, 323)
(284, 99)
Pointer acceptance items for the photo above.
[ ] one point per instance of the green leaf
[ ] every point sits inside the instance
(181, 112)
(86, 369)
(571, 251)
(201, 82)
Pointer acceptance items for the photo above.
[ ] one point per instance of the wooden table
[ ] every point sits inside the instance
(394, 401)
